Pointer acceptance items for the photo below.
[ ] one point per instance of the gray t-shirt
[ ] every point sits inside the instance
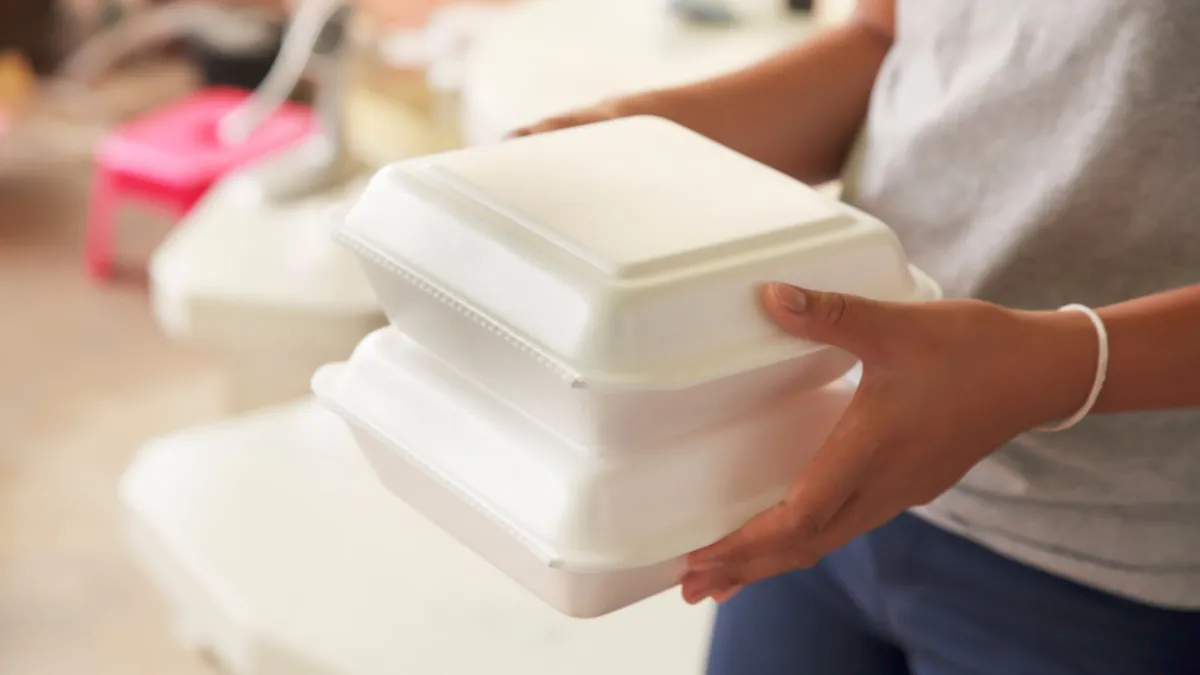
(1036, 153)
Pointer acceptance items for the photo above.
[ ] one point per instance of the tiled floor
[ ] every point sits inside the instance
(84, 378)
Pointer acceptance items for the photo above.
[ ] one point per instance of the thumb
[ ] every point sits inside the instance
(848, 322)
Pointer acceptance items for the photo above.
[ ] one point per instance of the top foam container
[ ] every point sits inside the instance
(603, 279)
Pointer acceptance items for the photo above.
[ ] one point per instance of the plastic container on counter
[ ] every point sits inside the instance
(603, 279)
(588, 534)
(259, 279)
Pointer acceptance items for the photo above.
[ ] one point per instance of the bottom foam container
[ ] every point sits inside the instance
(587, 533)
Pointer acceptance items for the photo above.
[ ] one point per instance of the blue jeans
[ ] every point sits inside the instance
(912, 599)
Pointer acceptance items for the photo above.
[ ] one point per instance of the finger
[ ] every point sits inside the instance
(552, 124)
(862, 513)
(531, 130)
(812, 501)
(849, 322)
(540, 127)
(766, 535)
(721, 581)
(869, 509)
(837, 472)
(877, 499)
(726, 595)
(714, 582)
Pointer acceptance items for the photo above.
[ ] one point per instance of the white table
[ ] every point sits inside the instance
(262, 281)
(282, 555)
(547, 56)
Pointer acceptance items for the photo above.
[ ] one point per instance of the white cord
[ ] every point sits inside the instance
(1101, 369)
(300, 39)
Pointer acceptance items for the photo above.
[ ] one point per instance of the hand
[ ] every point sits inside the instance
(944, 384)
(660, 104)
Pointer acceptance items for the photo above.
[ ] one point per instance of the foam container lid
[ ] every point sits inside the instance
(625, 254)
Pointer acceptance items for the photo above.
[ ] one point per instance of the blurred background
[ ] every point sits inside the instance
(171, 502)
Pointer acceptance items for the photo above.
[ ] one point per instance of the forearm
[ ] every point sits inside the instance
(1154, 355)
(798, 112)
(1154, 352)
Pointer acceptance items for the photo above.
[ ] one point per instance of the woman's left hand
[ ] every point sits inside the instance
(944, 384)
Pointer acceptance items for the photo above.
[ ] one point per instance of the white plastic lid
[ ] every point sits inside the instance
(574, 509)
(625, 254)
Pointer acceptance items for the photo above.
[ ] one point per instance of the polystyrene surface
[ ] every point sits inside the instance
(661, 201)
(283, 555)
(242, 247)
(570, 509)
(259, 279)
(605, 421)
(622, 255)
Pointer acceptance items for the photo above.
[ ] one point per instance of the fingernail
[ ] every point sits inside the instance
(792, 298)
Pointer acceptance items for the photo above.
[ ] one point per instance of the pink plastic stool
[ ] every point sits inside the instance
(171, 158)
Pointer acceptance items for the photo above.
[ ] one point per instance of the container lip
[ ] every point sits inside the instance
(678, 375)
(365, 249)
(325, 383)
(430, 185)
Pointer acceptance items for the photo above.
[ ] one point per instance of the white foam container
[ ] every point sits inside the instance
(258, 280)
(586, 533)
(604, 278)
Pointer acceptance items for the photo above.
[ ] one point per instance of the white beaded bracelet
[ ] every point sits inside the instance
(1101, 370)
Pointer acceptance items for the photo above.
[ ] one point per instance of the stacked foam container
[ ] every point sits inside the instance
(578, 381)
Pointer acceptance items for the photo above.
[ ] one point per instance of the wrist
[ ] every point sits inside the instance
(1060, 353)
